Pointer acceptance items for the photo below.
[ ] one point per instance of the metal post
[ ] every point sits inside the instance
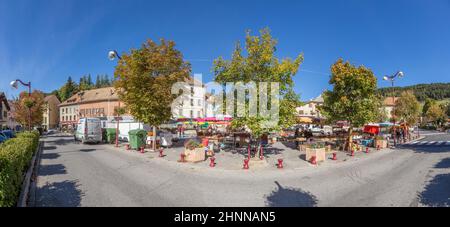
(29, 108)
(393, 111)
(117, 128)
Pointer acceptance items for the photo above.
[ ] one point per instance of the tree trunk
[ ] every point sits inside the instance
(350, 138)
(154, 138)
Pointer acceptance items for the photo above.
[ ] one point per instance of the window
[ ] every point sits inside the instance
(192, 90)
(192, 102)
(301, 112)
(199, 102)
(199, 114)
(192, 114)
(70, 118)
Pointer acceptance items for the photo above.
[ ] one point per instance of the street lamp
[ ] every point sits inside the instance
(15, 84)
(398, 74)
(112, 55)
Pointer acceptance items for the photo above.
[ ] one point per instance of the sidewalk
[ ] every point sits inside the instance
(293, 159)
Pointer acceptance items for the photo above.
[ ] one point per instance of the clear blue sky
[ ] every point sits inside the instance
(46, 41)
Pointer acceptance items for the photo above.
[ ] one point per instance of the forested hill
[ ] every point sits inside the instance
(435, 91)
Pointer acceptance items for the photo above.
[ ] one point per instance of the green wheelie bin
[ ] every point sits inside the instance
(111, 135)
(137, 138)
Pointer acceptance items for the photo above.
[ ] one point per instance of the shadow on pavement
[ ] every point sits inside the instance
(290, 197)
(443, 164)
(87, 150)
(59, 194)
(49, 148)
(50, 156)
(67, 140)
(425, 149)
(437, 193)
(53, 169)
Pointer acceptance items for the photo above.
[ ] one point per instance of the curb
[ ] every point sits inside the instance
(30, 177)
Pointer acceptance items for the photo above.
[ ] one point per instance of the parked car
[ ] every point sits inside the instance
(89, 130)
(324, 130)
(3, 137)
(8, 133)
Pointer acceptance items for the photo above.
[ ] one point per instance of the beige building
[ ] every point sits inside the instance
(4, 109)
(310, 111)
(388, 105)
(68, 112)
(50, 118)
(100, 103)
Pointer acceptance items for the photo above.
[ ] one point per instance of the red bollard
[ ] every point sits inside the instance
(182, 158)
(161, 153)
(127, 147)
(212, 164)
(142, 150)
(280, 163)
(334, 156)
(313, 160)
(261, 154)
(246, 164)
(378, 147)
(353, 153)
(367, 150)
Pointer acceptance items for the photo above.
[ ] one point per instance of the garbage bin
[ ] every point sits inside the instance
(137, 138)
(111, 135)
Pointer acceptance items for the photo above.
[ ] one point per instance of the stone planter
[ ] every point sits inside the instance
(381, 143)
(318, 152)
(196, 155)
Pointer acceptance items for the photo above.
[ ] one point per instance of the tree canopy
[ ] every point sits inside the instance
(144, 79)
(260, 64)
(407, 108)
(353, 98)
(436, 114)
(24, 104)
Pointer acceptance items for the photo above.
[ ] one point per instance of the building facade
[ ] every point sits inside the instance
(4, 109)
(50, 119)
(310, 110)
(193, 104)
(388, 105)
(100, 103)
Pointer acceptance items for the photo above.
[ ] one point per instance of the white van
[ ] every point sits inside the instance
(89, 130)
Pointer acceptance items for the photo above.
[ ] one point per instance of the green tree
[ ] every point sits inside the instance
(98, 82)
(447, 110)
(261, 65)
(407, 108)
(353, 97)
(436, 114)
(67, 90)
(428, 102)
(144, 79)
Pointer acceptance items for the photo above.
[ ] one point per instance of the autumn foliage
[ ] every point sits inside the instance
(26, 104)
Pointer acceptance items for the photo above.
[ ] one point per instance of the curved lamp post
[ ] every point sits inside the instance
(15, 84)
(112, 55)
(392, 78)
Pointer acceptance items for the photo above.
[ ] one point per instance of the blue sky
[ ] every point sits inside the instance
(45, 41)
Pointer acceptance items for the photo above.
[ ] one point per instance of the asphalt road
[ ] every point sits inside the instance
(72, 174)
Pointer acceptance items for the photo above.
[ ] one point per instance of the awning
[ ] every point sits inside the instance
(305, 120)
